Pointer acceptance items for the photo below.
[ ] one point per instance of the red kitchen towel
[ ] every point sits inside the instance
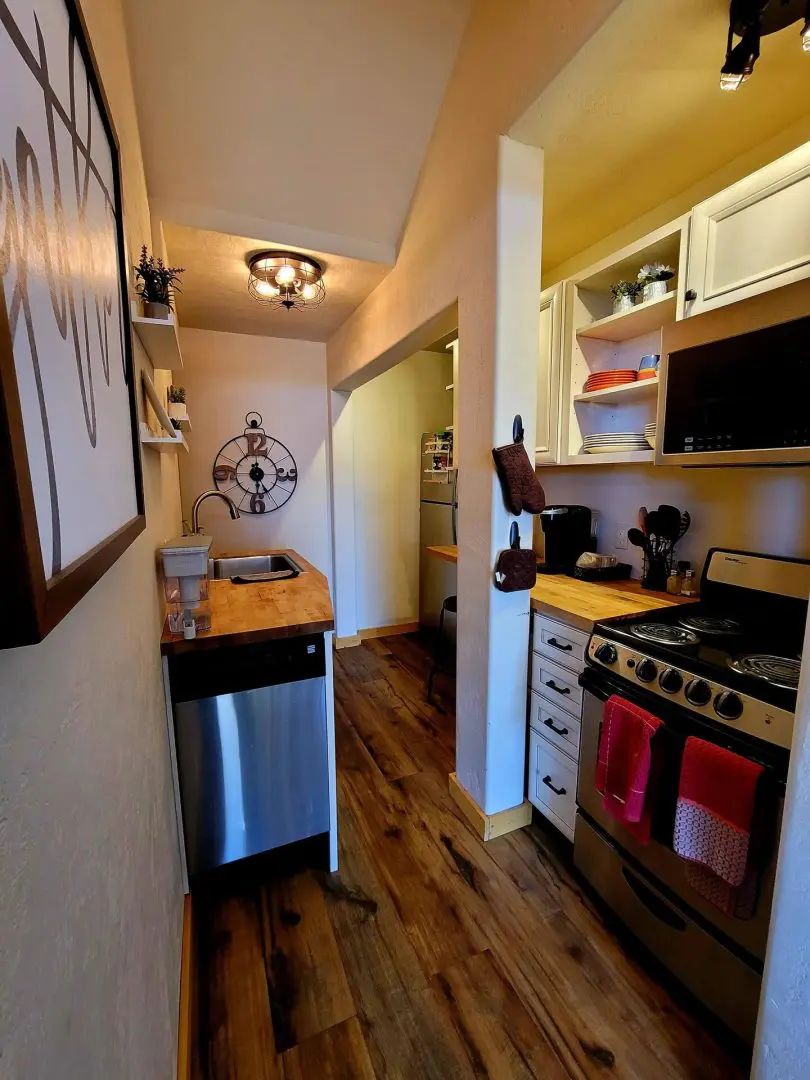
(624, 765)
(713, 820)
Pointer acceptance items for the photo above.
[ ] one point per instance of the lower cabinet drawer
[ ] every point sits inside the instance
(556, 684)
(555, 725)
(552, 783)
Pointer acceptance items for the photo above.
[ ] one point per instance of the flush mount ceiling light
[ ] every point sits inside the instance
(286, 279)
(750, 20)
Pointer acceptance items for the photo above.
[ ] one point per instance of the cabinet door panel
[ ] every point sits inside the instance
(548, 383)
(753, 236)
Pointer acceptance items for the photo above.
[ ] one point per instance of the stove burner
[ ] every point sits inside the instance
(710, 625)
(664, 634)
(777, 670)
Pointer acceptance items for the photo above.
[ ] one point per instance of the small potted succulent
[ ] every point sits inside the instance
(156, 284)
(653, 278)
(624, 295)
(177, 405)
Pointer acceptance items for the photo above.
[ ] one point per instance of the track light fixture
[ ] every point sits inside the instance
(750, 20)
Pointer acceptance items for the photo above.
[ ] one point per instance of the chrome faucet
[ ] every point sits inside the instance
(195, 510)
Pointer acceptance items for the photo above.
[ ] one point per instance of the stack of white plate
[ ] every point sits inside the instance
(649, 434)
(620, 442)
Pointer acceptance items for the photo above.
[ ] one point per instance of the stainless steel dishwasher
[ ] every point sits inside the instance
(250, 728)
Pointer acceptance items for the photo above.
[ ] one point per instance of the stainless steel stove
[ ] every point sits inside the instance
(725, 669)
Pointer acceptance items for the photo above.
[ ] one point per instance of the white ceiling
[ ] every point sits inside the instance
(305, 124)
(637, 117)
(215, 295)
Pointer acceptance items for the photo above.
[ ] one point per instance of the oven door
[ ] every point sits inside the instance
(656, 860)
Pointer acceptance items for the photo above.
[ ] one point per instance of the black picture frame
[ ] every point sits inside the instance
(34, 604)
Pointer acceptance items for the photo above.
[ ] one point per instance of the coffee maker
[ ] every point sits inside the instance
(567, 533)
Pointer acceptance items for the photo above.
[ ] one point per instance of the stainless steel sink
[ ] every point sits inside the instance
(254, 567)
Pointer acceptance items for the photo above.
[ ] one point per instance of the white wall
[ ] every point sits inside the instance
(228, 375)
(90, 887)
(754, 509)
(390, 414)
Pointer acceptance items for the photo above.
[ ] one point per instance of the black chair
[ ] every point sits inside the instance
(444, 660)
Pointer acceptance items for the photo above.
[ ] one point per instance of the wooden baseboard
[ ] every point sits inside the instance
(187, 1024)
(347, 642)
(489, 826)
(387, 631)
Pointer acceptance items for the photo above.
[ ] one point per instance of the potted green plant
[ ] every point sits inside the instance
(177, 404)
(653, 278)
(624, 295)
(156, 284)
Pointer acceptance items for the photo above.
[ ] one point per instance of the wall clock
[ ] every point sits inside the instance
(71, 495)
(257, 471)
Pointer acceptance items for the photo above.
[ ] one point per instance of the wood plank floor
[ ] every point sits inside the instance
(429, 955)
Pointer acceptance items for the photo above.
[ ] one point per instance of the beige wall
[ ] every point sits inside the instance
(227, 376)
(450, 252)
(390, 414)
(90, 889)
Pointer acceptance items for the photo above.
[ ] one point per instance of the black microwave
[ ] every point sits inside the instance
(742, 400)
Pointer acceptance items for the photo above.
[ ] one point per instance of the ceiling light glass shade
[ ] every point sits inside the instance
(286, 279)
(806, 35)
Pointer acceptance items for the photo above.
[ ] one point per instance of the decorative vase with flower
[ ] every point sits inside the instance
(624, 295)
(653, 278)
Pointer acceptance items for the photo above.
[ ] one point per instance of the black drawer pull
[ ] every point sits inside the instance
(557, 730)
(559, 689)
(563, 648)
(654, 904)
(556, 790)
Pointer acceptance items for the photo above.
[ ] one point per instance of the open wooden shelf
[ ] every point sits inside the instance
(633, 457)
(160, 339)
(620, 395)
(639, 320)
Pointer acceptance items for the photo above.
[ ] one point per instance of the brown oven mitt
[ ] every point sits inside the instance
(516, 568)
(519, 484)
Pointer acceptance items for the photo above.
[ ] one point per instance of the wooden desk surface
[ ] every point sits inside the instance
(241, 614)
(582, 603)
(448, 552)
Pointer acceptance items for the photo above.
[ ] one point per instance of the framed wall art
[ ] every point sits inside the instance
(71, 491)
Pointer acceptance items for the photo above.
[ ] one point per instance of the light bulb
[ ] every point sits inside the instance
(731, 82)
(285, 275)
(264, 288)
(806, 35)
(309, 291)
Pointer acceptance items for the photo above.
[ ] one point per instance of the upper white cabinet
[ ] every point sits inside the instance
(753, 236)
(550, 374)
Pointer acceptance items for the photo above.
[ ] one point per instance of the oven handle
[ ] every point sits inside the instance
(653, 903)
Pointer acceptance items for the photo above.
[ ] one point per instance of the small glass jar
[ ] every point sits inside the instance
(674, 583)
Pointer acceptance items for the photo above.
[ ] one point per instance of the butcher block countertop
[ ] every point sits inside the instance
(244, 614)
(583, 603)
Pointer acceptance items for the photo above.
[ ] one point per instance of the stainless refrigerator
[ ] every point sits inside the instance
(438, 509)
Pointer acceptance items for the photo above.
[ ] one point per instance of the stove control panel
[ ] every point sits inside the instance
(702, 696)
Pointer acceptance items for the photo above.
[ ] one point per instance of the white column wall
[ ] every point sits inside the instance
(341, 422)
(493, 627)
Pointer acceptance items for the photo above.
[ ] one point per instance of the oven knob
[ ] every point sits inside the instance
(671, 681)
(606, 654)
(646, 671)
(698, 692)
(728, 706)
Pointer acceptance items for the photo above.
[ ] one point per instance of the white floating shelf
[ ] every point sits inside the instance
(160, 339)
(173, 439)
(620, 395)
(639, 320)
(164, 444)
(633, 457)
(184, 422)
(450, 387)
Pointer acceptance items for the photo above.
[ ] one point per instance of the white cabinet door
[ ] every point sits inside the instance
(548, 383)
(752, 237)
